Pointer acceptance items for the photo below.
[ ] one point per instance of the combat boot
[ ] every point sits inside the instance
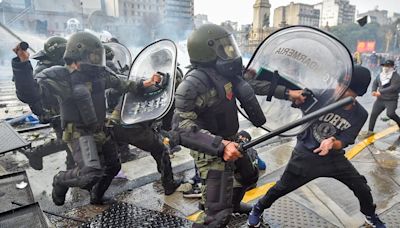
(59, 190)
(97, 193)
(239, 207)
(35, 159)
(36, 162)
(101, 200)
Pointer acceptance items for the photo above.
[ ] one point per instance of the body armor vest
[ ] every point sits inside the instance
(72, 109)
(220, 117)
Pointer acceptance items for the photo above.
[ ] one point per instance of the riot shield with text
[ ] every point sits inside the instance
(155, 101)
(301, 58)
(122, 57)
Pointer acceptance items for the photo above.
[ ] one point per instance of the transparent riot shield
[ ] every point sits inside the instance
(301, 57)
(122, 57)
(155, 101)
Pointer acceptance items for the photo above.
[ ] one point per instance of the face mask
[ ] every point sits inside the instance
(229, 68)
(91, 68)
(386, 69)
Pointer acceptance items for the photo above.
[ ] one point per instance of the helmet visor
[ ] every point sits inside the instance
(96, 57)
(226, 48)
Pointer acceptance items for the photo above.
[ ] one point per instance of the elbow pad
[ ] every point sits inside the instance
(248, 101)
(202, 142)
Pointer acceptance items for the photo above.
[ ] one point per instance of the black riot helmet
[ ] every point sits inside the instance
(86, 48)
(53, 50)
(212, 45)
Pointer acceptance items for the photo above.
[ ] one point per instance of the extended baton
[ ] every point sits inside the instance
(296, 123)
(24, 44)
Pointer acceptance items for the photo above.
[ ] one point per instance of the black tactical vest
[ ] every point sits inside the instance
(71, 110)
(219, 118)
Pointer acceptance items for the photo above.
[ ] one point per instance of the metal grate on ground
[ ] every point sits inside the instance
(10, 139)
(287, 213)
(23, 217)
(10, 193)
(128, 215)
(391, 216)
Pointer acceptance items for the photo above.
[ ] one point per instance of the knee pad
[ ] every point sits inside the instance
(219, 187)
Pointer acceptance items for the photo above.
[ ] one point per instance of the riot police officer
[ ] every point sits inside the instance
(206, 120)
(79, 88)
(109, 57)
(145, 137)
(51, 55)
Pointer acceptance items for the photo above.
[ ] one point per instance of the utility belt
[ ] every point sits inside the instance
(73, 131)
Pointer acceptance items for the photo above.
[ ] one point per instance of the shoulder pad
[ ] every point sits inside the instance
(194, 84)
(39, 68)
(54, 73)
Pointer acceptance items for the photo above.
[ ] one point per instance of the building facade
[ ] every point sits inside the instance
(200, 19)
(179, 13)
(152, 19)
(296, 14)
(336, 12)
(41, 17)
(377, 16)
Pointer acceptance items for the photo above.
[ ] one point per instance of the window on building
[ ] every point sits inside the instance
(56, 24)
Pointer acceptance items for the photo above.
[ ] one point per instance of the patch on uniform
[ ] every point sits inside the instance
(228, 91)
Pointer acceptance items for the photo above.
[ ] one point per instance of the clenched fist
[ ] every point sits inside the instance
(22, 53)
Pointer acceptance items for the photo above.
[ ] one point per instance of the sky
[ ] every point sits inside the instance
(242, 10)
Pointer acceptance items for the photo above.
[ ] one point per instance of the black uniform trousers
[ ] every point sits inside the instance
(379, 106)
(303, 168)
(56, 125)
(145, 138)
(109, 162)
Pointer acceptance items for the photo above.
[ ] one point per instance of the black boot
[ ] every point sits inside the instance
(36, 162)
(34, 158)
(97, 193)
(238, 206)
(105, 200)
(59, 190)
(165, 169)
